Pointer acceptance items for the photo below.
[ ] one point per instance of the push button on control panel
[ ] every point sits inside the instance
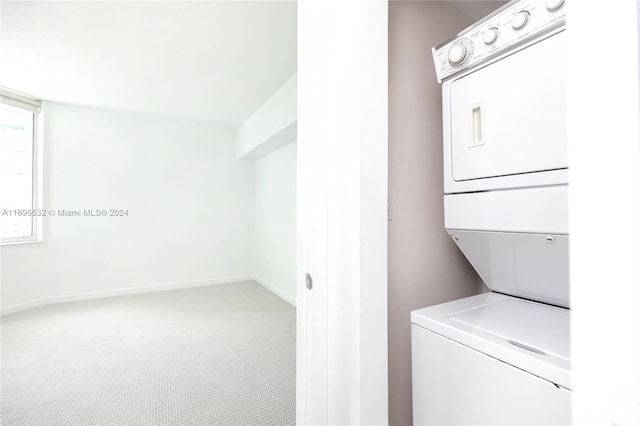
(553, 5)
(490, 36)
(520, 20)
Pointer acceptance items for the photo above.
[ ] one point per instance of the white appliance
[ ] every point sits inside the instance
(502, 357)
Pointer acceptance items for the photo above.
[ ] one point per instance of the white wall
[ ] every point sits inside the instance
(275, 222)
(604, 212)
(190, 205)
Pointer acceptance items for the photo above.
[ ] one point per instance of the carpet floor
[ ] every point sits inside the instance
(217, 355)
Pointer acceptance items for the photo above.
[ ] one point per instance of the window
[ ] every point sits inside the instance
(20, 219)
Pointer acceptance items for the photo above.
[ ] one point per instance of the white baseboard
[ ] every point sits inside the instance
(266, 284)
(23, 306)
(120, 292)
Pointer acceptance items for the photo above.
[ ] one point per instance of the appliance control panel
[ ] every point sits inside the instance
(510, 26)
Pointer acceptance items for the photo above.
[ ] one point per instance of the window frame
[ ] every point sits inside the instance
(30, 104)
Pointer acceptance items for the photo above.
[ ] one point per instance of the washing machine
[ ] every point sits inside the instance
(502, 357)
(491, 359)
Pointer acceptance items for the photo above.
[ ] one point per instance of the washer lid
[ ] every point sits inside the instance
(528, 335)
(541, 329)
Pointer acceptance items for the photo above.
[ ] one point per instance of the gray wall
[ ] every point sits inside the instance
(425, 267)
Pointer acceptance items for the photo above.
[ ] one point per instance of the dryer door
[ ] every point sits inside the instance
(508, 118)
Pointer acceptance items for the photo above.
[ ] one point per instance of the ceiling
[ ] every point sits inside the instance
(212, 62)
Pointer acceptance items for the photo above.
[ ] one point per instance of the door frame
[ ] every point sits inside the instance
(342, 212)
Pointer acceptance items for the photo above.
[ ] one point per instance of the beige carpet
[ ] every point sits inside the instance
(218, 355)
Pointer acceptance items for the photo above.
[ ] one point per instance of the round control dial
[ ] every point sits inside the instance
(491, 35)
(520, 20)
(459, 52)
(553, 5)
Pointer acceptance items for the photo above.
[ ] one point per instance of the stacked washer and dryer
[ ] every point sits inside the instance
(502, 357)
